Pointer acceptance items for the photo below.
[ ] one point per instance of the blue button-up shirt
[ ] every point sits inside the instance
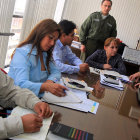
(26, 71)
(63, 54)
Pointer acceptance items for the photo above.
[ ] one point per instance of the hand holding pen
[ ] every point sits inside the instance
(54, 88)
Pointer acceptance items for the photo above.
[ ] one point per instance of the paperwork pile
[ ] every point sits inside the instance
(111, 84)
(75, 99)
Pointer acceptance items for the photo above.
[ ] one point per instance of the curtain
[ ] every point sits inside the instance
(6, 13)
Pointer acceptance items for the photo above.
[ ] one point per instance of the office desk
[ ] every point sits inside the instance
(111, 121)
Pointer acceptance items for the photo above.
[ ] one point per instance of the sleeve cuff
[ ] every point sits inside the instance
(14, 125)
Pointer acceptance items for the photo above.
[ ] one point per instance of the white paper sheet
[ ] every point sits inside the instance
(41, 135)
(70, 97)
(120, 86)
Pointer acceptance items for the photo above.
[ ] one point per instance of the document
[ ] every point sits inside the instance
(86, 105)
(123, 78)
(41, 135)
(117, 86)
(109, 72)
(94, 70)
(70, 97)
(76, 84)
(76, 44)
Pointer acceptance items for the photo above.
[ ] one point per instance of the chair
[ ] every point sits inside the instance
(131, 58)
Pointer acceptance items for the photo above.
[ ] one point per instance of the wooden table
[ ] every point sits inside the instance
(111, 121)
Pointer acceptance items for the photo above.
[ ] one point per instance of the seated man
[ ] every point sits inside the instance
(11, 95)
(108, 58)
(62, 53)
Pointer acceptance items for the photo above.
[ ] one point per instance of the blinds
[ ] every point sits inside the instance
(6, 12)
(36, 10)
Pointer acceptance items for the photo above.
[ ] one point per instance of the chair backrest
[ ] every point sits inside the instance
(131, 55)
(121, 48)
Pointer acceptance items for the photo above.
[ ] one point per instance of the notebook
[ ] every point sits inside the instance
(41, 135)
(70, 97)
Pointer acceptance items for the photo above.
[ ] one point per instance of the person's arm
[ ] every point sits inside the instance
(85, 27)
(72, 58)
(60, 63)
(10, 126)
(120, 66)
(55, 74)
(21, 65)
(14, 125)
(93, 60)
(114, 29)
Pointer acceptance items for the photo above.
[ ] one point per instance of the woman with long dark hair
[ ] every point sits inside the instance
(32, 66)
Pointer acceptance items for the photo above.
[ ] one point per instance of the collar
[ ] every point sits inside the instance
(103, 15)
(59, 43)
(28, 48)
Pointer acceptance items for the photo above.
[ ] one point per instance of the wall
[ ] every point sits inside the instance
(37, 10)
(126, 13)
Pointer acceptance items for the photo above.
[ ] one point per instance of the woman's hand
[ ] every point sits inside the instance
(107, 66)
(54, 88)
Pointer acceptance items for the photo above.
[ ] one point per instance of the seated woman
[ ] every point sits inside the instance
(32, 66)
(108, 58)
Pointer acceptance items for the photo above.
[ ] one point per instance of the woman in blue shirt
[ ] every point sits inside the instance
(32, 66)
(108, 58)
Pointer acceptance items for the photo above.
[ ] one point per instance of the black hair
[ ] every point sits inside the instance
(106, 0)
(67, 26)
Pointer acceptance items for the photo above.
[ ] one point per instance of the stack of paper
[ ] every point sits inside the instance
(70, 97)
(41, 135)
(110, 72)
(123, 78)
(80, 101)
(102, 81)
(94, 70)
(76, 44)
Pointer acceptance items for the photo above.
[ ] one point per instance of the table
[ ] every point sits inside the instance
(111, 121)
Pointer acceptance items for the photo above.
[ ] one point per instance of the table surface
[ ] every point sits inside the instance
(111, 121)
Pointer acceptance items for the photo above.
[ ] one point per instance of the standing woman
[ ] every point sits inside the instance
(32, 66)
(108, 58)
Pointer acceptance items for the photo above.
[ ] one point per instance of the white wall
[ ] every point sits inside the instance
(126, 13)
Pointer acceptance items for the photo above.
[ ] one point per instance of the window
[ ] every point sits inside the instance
(16, 27)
